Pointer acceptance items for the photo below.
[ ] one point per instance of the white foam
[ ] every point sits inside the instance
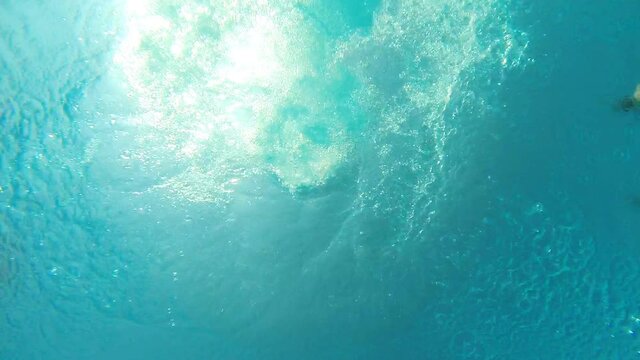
(211, 81)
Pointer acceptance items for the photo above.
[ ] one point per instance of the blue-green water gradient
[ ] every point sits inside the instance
(319, 179)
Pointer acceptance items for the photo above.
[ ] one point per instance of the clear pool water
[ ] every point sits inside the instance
(319, 179)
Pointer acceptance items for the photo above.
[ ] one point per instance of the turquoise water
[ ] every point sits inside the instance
(319, 179)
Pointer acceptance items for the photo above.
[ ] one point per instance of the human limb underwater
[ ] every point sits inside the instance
(631, 102)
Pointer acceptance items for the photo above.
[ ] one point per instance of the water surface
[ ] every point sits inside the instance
(318, 179)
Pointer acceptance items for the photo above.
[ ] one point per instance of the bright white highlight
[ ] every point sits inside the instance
(213, 84)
